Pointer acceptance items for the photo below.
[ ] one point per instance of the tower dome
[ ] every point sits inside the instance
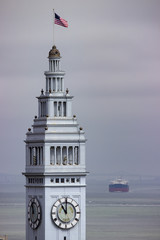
(54, 53)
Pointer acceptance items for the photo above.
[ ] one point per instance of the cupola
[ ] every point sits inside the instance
(54, 53)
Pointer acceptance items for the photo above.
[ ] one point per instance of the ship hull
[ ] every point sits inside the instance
(120, 188)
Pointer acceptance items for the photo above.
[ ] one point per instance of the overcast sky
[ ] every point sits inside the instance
(111, 56)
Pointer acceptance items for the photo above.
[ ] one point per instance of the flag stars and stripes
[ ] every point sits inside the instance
(60, 21)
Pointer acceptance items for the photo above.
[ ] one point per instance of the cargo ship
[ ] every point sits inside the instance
(119, 185)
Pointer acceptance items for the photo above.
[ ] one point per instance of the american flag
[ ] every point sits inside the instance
(60, 21)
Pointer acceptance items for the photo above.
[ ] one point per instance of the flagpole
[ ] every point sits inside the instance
(53, 27)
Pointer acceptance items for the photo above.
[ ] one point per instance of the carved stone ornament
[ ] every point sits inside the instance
(54, 53)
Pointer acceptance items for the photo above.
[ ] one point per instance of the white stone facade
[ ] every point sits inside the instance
(55, 159)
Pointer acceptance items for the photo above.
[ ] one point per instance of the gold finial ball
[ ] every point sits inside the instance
(54, 53)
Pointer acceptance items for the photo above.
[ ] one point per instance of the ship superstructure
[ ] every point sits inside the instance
(119, 185)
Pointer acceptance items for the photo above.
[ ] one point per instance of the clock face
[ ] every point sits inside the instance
(65, 213)
(34, 213)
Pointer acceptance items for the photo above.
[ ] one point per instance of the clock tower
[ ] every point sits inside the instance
(55, 164)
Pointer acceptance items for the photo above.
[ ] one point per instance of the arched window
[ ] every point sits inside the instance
(64, 155)
(52, 155)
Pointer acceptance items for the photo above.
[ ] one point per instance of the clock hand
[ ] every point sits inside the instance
(66, 205)
(64, 209)
(32, 210)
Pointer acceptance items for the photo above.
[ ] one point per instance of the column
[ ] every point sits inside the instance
(57, 109)
(59, 64)
(49, 65)
(49, 105)
(41, 155)
(44, 109)
(47, 85)
(54, 67)
(61, 155)
(62, 84)
(55, 158)
(60, 109)
(41, 109)
(27, 155)
(56, 84)
(73, 155)
(56, 155)
(38, 108)
(30, 156)
(51, 84)
(67, 154)
(39, 150)
(62, 113)
(38, 156)
(59, 85)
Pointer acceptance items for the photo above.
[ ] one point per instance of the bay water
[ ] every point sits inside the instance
(110, 216)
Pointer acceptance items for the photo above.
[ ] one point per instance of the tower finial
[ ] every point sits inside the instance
(54, 53)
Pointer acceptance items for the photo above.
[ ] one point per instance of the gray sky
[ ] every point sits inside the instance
(111, 56)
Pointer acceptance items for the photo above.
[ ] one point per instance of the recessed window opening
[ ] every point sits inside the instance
(55, 109)
(64, 109)
(54, 84)
(49, 83)
(76, 156)
(57, 180)
(62, 180)
(58, 156)
(70, 155)
(72, 180)
(64, 155)
(52, 155)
